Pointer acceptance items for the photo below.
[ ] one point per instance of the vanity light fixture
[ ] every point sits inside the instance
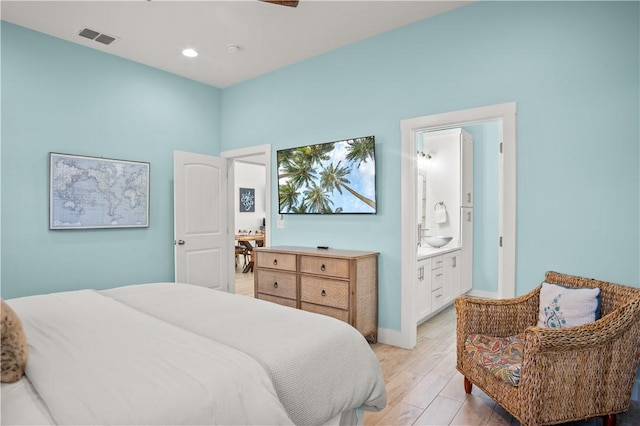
(190, 53)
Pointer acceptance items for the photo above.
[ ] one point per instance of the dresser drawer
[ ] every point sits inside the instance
(340, 314)
(322, 291)
(324, 266)
(279, 300)
(281, 284)
(281, 261)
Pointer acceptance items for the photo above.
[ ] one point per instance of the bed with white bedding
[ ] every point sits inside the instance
(170, 353)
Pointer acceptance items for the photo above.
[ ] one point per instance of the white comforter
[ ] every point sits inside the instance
(94, 360)
(319, 366)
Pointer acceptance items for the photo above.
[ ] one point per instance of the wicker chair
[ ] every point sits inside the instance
(567, 374)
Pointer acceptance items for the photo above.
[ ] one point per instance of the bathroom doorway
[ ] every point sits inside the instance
(505, 115)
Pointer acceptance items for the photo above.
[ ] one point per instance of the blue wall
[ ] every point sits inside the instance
(571, 67)
(486, 148)
(58, 96)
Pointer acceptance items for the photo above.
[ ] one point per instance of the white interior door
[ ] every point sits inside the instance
(200, 220)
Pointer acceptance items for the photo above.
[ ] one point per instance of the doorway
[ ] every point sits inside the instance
(241, 162)
(505, 114)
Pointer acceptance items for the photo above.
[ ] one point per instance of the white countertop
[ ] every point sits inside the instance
(427, 251)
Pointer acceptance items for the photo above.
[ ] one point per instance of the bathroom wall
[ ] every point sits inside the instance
(486, 155)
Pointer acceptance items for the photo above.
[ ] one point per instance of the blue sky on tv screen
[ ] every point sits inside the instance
(361, 179)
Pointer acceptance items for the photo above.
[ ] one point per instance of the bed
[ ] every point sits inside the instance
(167, 353)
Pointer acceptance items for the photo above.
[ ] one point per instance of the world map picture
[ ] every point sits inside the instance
(91, 192)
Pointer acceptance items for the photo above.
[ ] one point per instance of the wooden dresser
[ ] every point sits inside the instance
(339, 283)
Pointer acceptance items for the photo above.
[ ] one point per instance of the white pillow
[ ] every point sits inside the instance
(567, 306)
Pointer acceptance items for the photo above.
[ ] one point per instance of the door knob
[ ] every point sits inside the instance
(180, 242)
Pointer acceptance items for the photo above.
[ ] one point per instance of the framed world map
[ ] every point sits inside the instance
(94, 192)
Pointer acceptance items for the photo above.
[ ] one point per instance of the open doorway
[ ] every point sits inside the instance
(249, 205)
(480, 185)
(506, 115)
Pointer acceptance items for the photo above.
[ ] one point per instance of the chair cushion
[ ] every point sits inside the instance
(501, 356)
(567, 306)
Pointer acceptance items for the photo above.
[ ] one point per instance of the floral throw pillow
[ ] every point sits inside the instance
(567, 307)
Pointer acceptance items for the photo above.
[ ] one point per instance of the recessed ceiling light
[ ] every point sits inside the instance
(190, 53)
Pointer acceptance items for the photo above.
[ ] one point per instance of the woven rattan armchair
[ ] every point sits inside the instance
(567, 374)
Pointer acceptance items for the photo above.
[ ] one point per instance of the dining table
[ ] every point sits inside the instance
(245, 241)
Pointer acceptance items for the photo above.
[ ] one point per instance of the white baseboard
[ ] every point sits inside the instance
(483, 294)
(635, 393)
(390, 337)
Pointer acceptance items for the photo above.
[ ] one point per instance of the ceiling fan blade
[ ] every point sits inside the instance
(283, 3)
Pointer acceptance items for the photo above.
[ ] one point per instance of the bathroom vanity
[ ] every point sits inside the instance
(438, 280)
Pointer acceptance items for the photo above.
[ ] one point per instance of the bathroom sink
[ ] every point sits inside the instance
(436, 241)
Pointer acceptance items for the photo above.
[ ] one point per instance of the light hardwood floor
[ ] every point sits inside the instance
(244, 282)
(423, 386)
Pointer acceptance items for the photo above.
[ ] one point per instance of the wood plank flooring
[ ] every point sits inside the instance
(244, 282)
(424, 387)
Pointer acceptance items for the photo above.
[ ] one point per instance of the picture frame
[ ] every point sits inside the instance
(247, 200)
(95, 192)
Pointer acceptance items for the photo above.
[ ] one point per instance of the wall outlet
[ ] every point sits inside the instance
(280, 222)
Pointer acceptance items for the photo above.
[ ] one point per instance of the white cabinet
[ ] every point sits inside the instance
(466, 170)
(437, 283)
(423, 289)
(451, 273)
(466, 256)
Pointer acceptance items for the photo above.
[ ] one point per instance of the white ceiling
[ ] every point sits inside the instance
(269, 36)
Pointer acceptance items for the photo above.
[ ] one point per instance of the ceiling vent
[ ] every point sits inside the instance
(96, 36)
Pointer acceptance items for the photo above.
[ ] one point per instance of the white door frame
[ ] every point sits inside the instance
(506, 113)
(259, 154)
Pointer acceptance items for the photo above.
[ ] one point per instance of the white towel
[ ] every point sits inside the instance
(441, 215)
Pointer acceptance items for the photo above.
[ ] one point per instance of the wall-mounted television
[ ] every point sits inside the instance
(328, 178)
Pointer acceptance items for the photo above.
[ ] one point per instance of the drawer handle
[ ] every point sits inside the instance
(323, 293)
(438, 275)
(275, 284)
(275, 261)
(322, 268)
